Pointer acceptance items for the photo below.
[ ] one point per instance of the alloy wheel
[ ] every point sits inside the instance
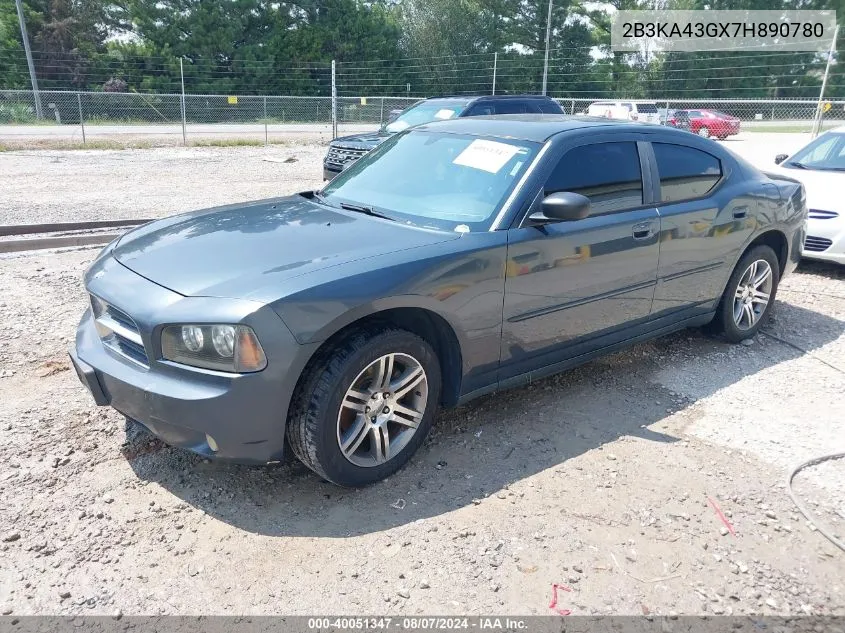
(382, 409)
(752, 294)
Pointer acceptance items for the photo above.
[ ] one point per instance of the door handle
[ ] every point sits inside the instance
(643, 230)
(740, 212)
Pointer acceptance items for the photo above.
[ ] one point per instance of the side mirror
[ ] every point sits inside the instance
(780, 158)
(563, 206)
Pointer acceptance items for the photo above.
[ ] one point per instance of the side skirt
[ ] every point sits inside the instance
(555, 368)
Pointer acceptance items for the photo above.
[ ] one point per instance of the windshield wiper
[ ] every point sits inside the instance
(793, 163)
(366, 210)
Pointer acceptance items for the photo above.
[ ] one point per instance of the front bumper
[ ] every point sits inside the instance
(238, 417)
(829, 229)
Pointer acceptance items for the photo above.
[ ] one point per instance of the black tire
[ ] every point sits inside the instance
(312, 428)
(724, 323)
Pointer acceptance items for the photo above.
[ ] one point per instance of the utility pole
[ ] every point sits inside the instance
(819, 109)
(184, 113)
(548, 39)
(38, 112)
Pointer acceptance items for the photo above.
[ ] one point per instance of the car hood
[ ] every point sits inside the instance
(242, 250)
(824, 188)
(361, 141)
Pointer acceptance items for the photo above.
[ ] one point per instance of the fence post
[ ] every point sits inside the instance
(572, 107)
(266, 138)
(184, 124)
(334, 102)
(81, 120)
(819, 108)
(495, 67)
(381, 116)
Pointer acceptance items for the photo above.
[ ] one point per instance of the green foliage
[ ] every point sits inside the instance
(12, 112)
(384, 47)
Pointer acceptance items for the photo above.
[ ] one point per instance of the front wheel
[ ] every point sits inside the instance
(365, 406)
(749, 295)
(703, 132)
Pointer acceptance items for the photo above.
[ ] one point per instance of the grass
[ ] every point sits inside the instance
(786, 129)
(229, 142)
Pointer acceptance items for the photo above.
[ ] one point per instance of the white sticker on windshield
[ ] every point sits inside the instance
(486, 155)
(444, 114)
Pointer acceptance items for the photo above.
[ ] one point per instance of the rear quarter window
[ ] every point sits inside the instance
(686, 173)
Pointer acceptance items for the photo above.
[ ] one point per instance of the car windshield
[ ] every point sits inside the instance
(827, 152)
(425, 112)
(434, 179)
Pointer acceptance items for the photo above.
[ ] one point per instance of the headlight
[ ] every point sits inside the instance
(231, 348)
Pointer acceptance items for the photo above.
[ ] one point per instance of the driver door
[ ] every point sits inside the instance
(570, 286)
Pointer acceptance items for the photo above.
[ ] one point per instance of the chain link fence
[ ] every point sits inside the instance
(81, 115)
(796, 115)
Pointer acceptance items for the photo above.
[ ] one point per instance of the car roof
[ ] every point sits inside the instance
(532, 127)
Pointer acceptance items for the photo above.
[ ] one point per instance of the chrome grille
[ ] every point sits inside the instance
(818, 214)
(339, 156)
(118, 331)
(816, 244)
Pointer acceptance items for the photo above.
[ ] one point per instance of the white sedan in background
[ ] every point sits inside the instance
(820, 166)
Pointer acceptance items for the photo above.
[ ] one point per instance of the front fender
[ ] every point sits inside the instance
(461, 281)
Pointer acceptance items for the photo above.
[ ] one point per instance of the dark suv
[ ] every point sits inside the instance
(348, 149)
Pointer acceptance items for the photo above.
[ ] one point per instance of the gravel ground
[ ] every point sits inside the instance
(605, 479)
(67, 186)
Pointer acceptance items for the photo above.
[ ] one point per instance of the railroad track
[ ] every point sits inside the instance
(15, 238)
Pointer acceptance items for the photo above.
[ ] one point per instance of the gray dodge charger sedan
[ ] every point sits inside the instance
(457, 258)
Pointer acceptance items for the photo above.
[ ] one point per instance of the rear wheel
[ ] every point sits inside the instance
(365, 406)
(749, 295)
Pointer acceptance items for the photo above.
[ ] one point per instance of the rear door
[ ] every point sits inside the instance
(702, 225)
(570, 283)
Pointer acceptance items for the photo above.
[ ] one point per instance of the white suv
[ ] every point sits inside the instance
(645, 111)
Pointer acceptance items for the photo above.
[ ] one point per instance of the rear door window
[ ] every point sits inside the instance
(480, 109)
(685, 172)
(607, 173)
(510, 107)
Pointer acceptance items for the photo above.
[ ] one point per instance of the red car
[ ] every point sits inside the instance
(709, 123)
